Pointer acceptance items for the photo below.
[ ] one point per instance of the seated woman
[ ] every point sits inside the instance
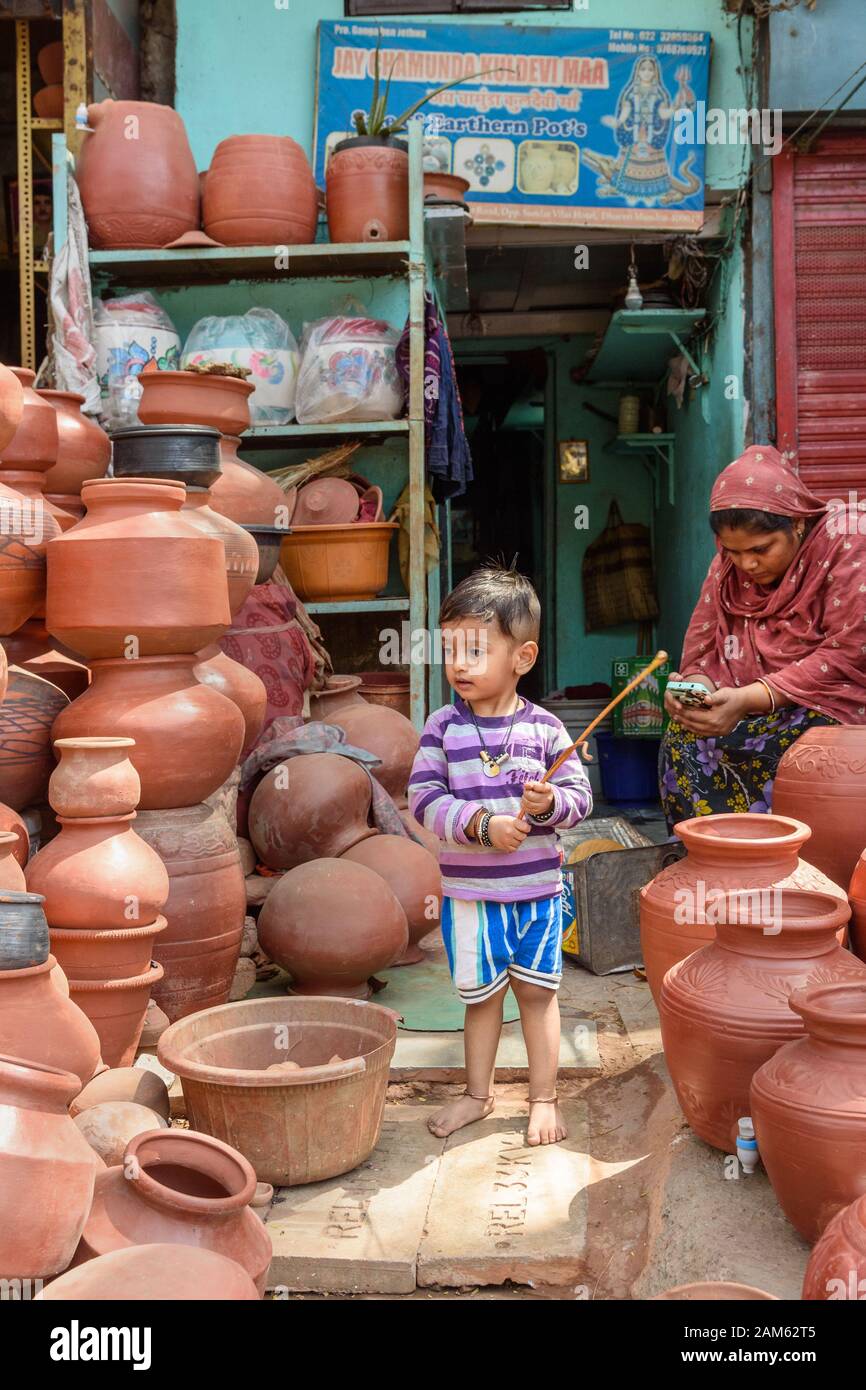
(778, 638)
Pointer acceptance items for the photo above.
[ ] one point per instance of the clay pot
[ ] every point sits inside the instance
(155, 1024)
(45, 1025)
(10, 820)
(268, 540)
(167, 453)
(244, 688)
(134, 567)
(187, 735)
(330, 564)
(25, 529)
(367, 190)
(94, 777)
(808, 1104)
(116, 1008)
(332, 924)
(241, 551)
(154, 1274)
(382, 688)
(260, 191)
(4, 673)
(246, 494)
(132, 1084)
(187, 1189)
(724, 1010)
(413, 876)
(196, 398)
(47, 1170)
(820, 781)
(450, 188)
(337, 694)
(326, 502)
(49, 61)
(726, 853)
(83, 448)
(98, 875)
(31, 486)
(146, 198)
(714, 1291)
(837, 1265)
(48, 102)
(311, 807)
(26, 716)
(33, 649)
(431, 842)
(109, 1126)
(33, 446)
(11, 405)
(391, 737)
(100, 954)
(857, 898)
(205, 908)
(11, 872)
(23, 926)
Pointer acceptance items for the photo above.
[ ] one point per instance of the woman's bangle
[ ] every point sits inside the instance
(770, 693)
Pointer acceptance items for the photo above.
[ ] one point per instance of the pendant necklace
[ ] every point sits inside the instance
(492, 764)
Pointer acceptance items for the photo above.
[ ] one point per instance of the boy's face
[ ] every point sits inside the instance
(481, 661)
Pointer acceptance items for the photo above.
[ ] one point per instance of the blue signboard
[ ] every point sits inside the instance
(568, 126)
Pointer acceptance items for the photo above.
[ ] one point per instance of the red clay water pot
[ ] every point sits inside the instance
(367, 190)
(156, 1273)
(10, 820)
(260, 191)
(45, 1025)
(837, 1265)
(244, 688)
(47, 1170)
(49, 61)
(31, 486)
(383, 688)
(857, 899)
(195, 398)
(413, 876)
(337, 694)
(332, 925)
(431, 842)
(94, 777)
(726, 853)
(111, 1125)
(116, 1008)
(133, 1084)
(311, 807)
(725, 1009)
(391, 737)
(186, 1189)
(187, 735)
(34, 649)
(11, 872)
(98, 874)
(808, 1105)
(33, 446)
(106, 954)
(26, 716)
(11, 405)
(821, 781)
(143, 201)
(246, 494)
(241, 551)
(205, 909)
(83, 448)
(25, 529)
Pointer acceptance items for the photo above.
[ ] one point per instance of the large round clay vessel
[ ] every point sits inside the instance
(26, 716)
(367, 190)
(431, 842)
(208, 399)
(186, 1188)
(311, 807)
(135, 570)
(44, 1024)
(260, 191)
(821, 779)
(244, 688)
(135, 1085)
(246, 494)
(241, 551)
(339, 693)
(413, 876)
(99, 875)
(47, 1170)
(205, 908)
(34, 649)
(83, 448)
(837, 1264)
(332, 925)
(391, 737)
(33, 446)
(808, 1104)
(11, 405)
(25, 530)
(187, 735)
(94, 777)
(725, 853)
(11, 872)
(137, 175)
(724, 1010)
(857, 899)
(156, 1273)
(116, 1007)
(10, 820)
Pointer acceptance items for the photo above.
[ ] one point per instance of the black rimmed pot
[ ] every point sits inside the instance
(24, 937)
(182, 453)
(268, 539)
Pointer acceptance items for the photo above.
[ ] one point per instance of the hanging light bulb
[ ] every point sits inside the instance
(633, 296)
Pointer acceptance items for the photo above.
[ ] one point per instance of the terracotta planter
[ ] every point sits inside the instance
(725, 1009)
(246, 494)
(311, 807)
(150, 701)
(10, 820)
(205, 909)
(367, 191)
(337, 694)
(244, 688)
(303, 927)
(98, 875)
(25, 529)
(808, 1104)
(413, 876)
(134, 568)
(23, 926)
(451, 188)
(195, 398)
(132, 1084)
(241, 551)
(260, 191)
(381, 688)
(156, 1273)
(33, 446)
(820, 780)
(187, 1189)
(391, 737)
(49, 61)
(11, 872)
(47, 1170)
(116, 1008)
(145, 201)
(106, 954)
(83, 448)
(45, 1025)
(328, 564)
(726, 853)
(26, 717)
(11, 405)
(837, 1265)
(34, 649)
(94, 777)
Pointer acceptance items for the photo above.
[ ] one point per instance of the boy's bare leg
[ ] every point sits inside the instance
(539, 1019)
(481, 1030)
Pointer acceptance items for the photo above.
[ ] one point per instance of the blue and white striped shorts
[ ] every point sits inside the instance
(488, 942)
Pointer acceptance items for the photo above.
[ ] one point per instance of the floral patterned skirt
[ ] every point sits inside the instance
(705, 776)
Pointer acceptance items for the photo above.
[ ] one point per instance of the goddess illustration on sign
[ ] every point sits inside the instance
(641, 172)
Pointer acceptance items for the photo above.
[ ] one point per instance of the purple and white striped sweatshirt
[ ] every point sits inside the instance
(448, 786)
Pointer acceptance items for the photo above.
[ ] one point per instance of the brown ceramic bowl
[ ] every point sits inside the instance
(195, 398)
(48, 101)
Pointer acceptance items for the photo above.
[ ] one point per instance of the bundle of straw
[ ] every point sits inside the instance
(334, 463)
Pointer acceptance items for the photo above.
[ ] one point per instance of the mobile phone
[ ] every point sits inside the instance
(690, 693)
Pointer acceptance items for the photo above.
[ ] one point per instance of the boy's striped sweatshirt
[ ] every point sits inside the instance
(448, 786)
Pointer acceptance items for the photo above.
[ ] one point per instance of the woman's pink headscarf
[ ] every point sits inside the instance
(807, 636)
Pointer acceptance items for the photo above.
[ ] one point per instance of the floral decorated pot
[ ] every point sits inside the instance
(820, 780)
(837, 1264)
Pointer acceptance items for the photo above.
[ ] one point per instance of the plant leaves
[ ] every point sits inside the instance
(407, 115)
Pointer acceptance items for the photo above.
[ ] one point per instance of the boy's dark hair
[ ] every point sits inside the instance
(496, 594)
(747, 519)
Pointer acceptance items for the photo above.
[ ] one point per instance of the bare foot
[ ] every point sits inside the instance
(546, 1125)
(465, 1110)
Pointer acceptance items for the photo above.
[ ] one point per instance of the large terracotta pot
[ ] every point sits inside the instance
(98, 874)
(116, 1008)
(725, 1009)
(106, 953)
(205, 908)
(34, 649)
(808, 1104)
(725, 853)
(244, 688)
(241, 551)
(820, 780)
(33, 446)
(311, 807)
(94, 777)
(47, 1170)
(339, 693)
(246, 494)
(26, 717)
(187, 735)
(178, 1187)
(156, 1273)
(10, 820)
(30, 485)
(136, 570)
(83, 448)
(367, 191)
(11, 872)
(196, 398)
(260, 191)
(25, 530)
(137, 176)
(837, 1265)
(11, 405)
(857, 899)
(332, 925)
(23, 926)
(391, 737)
(45, 1025)
(132, 1084)
(413, 876)
(431, 842)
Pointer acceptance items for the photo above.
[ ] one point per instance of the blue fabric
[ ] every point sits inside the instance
(490, 943)
(449, 460)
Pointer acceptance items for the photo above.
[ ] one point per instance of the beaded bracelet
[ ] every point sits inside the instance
(546, 815)
(484, 831)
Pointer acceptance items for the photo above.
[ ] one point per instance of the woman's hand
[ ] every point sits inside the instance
(675, 708)
(537, 797)
(723, 711)
(507, 832)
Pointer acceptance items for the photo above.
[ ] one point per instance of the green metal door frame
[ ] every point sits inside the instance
(548, 617)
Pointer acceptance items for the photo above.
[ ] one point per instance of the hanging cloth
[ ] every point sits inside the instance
(72, 310)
